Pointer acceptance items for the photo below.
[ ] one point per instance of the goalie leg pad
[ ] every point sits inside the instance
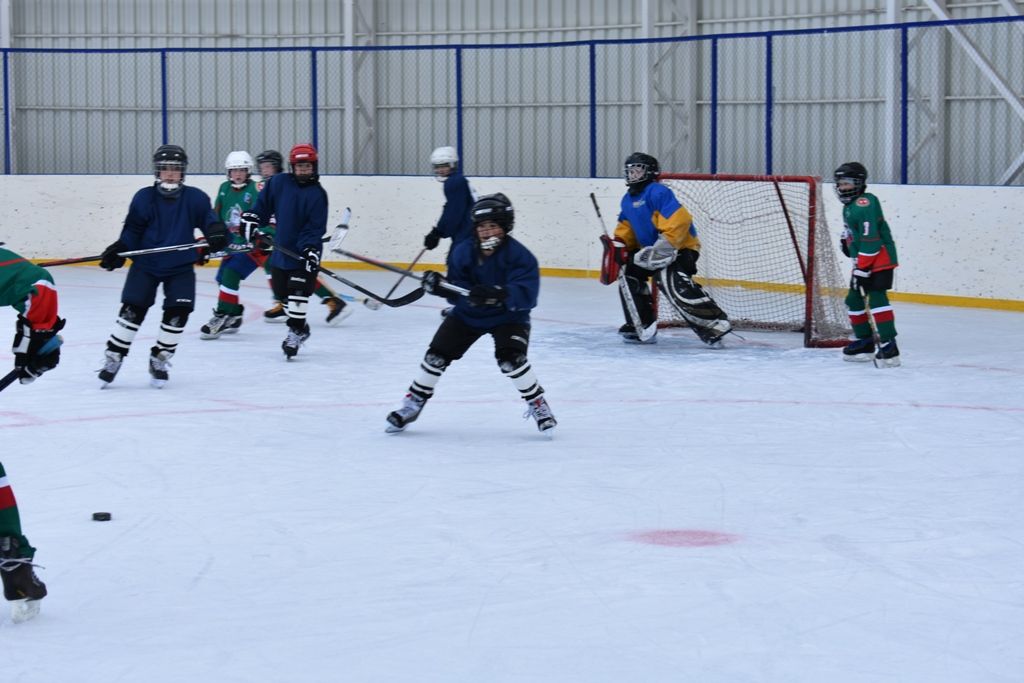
(694, 304)
(637, 283)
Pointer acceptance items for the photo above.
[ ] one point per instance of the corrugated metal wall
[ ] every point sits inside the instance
(525, 111)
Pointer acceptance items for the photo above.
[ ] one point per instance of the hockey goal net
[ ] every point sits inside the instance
(766, 256)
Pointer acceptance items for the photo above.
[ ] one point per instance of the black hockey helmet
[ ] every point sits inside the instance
(640, 169)
(494, 207)
(271, 156)
(851, 172)
(169, 157)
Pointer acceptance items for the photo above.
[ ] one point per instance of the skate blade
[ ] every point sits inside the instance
(23, 610)
(860, 358)
(392, 429)
(157, 383)
(884, 363)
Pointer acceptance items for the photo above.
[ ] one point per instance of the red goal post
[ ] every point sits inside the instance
(767, 257)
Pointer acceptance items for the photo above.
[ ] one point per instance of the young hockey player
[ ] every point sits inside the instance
(21, 585)
(29, 290)
(455, 222)
(166, 213)
(270, 164)
(867, 240)
(661, 243)
(299, 205)
(236, 195)
(503, 280)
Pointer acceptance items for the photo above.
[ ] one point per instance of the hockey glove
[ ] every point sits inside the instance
(202, 256)
(660, 255)
(432, 239)
(487, 295)
(844, 241)
(262, 242)
(860, 278)
(312, 257)
(248, 225)
(111, 260)
(432, 283)
(35, 351)
(217, 237)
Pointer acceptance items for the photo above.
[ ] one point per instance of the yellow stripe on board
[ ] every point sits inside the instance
(909, 297)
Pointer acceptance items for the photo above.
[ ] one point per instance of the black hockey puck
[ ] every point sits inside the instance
(101, 516)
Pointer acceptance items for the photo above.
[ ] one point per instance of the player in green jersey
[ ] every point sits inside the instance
(868, 241)
(28, 289)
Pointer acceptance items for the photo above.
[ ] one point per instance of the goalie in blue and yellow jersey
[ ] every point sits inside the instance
(660, 242)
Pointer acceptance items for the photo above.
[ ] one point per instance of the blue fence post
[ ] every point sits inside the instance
(592, 50)
(904, 119)
(314, 101)
(163, 94)
(714, 106)
(458, 108)
(7, 117)
(768, 86)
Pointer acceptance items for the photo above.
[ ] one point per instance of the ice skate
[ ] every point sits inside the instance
(412, 405)
(293, 341)
(859, 350)
(337, 310)
(220, 323)
(159, 361)
(111, 364)
(275, 314)
(21, 585)
(888, 355)
(630, 336)
(541, 412)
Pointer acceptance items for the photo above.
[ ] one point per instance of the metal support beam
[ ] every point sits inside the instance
(993, 76)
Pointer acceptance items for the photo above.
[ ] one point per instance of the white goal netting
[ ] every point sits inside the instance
(767, 256)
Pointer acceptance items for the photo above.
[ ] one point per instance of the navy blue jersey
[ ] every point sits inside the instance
(157, 221)
(512, 266)
(455, 221)
(301, 215)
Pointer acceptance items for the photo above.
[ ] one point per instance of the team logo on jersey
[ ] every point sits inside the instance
(248, 198)
(862, 201)
(638, 203)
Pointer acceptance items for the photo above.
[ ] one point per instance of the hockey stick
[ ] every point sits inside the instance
(135, 252)
(395, 269)
(9, 378)
(642, 333)
(879, 362)
(49, 347)
(407, 271)
(412, 296)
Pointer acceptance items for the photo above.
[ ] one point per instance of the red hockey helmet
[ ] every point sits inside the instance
(304, 153)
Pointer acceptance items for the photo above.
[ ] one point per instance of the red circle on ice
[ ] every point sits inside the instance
(683, 538)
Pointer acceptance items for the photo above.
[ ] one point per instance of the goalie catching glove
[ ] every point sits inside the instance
(35, 351)
(657, 256)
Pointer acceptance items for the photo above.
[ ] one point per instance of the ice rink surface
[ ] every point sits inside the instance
(763, 512)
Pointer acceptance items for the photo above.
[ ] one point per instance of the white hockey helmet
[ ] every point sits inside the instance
(239, 159)
(444, 157)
